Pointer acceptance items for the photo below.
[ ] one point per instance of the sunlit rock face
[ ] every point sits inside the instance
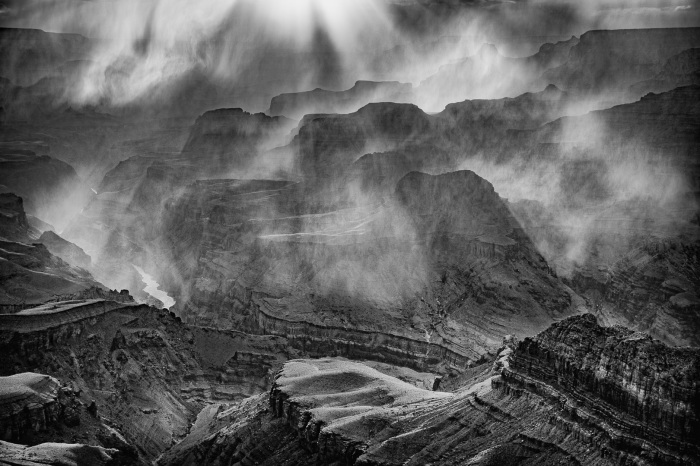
(552, 399)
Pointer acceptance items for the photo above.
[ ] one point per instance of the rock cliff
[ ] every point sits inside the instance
(296, 105)
(51, 188)
(576, 394)
(127, 377)
(29, 273)
(437, 264)
(66, 250)
(624, 62)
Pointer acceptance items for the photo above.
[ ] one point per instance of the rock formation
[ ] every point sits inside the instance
(558, 398)
(29, 273)
(388, 269)
(66, 250)
(624, 62)
(50, 188)
(382, 275)
(146, 374)
(296, 105)
(58, 454)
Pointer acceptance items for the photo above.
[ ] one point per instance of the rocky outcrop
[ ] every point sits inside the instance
(56, 314)
(29, 273)
(228, 139)
(624, 62)
(434, 273)
(51, 189)
(14, 225)
(490, 75)
(296, 105)
(28, 55)
(615, 370)
(617, 243)
(134, 377)
(576, 394)
(649, 289)
(28, 404)
(679, 70)
(66, 250)
(59, 454)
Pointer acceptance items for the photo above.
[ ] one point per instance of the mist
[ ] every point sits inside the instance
(157, 59)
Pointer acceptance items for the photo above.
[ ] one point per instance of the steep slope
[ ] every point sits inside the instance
(576, 394)
(27, 55)
(490, 75)
(624, 226)
(29, 273)
(624, 62)
(123, 376)
(459, 276)
(66, 250)
(296, 105)
(50, 188)
(57, 454)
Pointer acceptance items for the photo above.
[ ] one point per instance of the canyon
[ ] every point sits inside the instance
(437, 242)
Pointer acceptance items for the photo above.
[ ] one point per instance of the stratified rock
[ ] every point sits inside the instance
(431, 279)
(622, 250)
(51, 189)
(28, 405)
(610, 60)
(478, 76)
(224, 140)
(57, 454)
(575, 394)
(296, 105)
(14, 224)
(637, 384)
(680, 70)
(128, 377)
(29, 273)
(27, 55)
(66, 250)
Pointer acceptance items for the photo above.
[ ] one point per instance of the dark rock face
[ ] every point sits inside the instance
(651, 288)
(430, 264)
(66, 250)
(14, 224)
(624, 61)
(60, 454)
(29, 405)
(50, 188)
(27, 55)
(576, 394)
(377, 235)
(29, 273)
(627, 246)
(655, 385)
(296, 105)
(479, 76)
(679, 70)
(137, 374)
(227, 139)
